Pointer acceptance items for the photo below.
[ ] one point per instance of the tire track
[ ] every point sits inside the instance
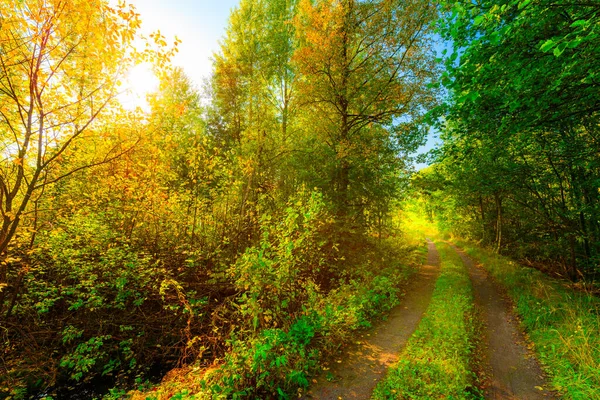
(366, 362)
(512, 369)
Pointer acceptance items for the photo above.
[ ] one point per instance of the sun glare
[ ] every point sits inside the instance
(138, 83)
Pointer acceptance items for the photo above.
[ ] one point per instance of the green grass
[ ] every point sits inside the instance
(564, 325)
(436, 361)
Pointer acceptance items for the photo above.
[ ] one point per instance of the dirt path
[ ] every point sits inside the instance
(356, 373)
(513, 371)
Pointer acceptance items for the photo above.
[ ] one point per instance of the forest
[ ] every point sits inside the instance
(233, 239)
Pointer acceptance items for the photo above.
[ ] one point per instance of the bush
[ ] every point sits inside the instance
(84, 292)
(285, 321)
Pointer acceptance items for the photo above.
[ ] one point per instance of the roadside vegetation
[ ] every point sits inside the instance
(562, 323)
(275, 351)
(519, 164)
(244, 229)
(436, 362)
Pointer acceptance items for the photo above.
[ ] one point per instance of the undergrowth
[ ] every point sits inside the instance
(436, 361)
(564, 325)
(287, 317)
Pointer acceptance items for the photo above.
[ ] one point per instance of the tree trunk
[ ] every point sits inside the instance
(573, 269)
(482, 211)
(499, 217)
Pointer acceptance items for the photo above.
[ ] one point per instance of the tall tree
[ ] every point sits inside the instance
(60, 63)
(252, 112)
(366, 68)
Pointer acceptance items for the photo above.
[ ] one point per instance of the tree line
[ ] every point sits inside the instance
(520, 165)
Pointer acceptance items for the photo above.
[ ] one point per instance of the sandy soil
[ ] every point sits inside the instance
(511, 368)
(355, 373)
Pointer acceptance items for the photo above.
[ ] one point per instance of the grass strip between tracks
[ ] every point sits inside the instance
(436, 362)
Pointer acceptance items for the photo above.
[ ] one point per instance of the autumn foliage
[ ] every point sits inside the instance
(234, 228)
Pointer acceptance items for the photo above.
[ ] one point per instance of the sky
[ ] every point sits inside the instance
(200, 24)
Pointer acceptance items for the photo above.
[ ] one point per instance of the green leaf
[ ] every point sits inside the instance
(478, 20)
(574, 43)
(579, 22)
(495, 38)
(523, 4)
(548, 44)
(560, 49)
(472, 96)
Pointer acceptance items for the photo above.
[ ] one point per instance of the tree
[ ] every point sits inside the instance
(526, 82)
(527, 64)
(366, 67)
(193, 165)
(253, 112)
(60, 64)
